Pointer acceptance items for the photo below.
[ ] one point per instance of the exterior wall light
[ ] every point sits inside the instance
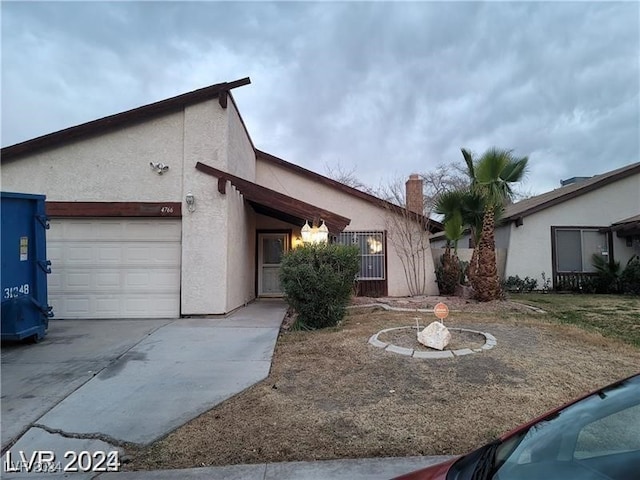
(159, 168)
(191, 202)
(314, 234)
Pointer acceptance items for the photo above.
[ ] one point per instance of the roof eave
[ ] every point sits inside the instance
(93, 127)
(430, 224)
(635, 169)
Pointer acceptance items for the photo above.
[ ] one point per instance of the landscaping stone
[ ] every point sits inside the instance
(401, 350)
(462, 351)
(489, 344)
(445, 354)
(436, 335)
(377, 343)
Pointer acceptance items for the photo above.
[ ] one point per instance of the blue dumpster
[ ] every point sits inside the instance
(25, 310)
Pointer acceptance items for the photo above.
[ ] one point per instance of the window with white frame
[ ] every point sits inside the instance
(372, 252)
(576, 246)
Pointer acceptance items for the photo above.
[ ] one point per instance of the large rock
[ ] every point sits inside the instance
(435, 336)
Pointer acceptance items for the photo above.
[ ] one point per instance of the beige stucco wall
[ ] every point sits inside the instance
(241, 154)
(240, 255)
(114, 167)
(240, 251)
(530, 244)
(204, 269)
(363, 215)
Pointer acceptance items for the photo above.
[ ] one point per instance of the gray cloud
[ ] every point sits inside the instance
(390, 88)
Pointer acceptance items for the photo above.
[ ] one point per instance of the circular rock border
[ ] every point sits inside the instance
(410, 352)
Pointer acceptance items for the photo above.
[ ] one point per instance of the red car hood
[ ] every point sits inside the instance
(434, 472)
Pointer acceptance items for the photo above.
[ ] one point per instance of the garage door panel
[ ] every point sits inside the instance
(165, 279)
(109, 280)
(54, 281)
(77, 254)
(115, 281)
(141, 229)
(109, 254)
(115, 268)
(159, 254)
(75, 306)
(77, 280)
(107, 306)
(151, 280)
(54, 253)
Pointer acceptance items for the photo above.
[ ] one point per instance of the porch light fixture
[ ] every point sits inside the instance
(314, 234)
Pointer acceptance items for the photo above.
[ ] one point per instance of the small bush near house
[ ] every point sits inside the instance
(630, 277)
(318, 281)
(607, 279)
(449, 275)
(517, 284)
(546, 283)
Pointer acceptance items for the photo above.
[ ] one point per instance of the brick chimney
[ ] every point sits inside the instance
(415, 201)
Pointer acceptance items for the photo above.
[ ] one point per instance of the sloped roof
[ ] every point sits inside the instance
(628, 226)
(144, 112)
(562, 194)
(275, 204)
(219, 90)
(432, 225)
(635, 218)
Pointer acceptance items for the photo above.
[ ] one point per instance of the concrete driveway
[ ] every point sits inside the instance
(97, 384)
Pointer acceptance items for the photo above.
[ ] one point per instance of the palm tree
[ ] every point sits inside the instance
(472, 215)
(449, 204)
(491, 178)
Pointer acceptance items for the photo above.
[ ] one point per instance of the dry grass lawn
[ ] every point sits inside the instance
(332, 395)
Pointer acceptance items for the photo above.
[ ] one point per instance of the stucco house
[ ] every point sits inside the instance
(169, 209)
(557, 232)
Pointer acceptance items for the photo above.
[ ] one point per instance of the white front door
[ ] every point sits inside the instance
(271, 247)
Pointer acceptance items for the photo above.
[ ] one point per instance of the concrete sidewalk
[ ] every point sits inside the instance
(141, 382)
(357, 469)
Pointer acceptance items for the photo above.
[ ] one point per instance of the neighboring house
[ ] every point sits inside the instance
(558, 232)
(168, 210)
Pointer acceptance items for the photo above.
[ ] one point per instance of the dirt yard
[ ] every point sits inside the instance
(332, 395)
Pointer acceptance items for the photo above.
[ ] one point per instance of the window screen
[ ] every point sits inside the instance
(575, 248)
(568, 250)
(372, 252)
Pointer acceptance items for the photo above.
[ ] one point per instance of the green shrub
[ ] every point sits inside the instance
(517, 284)
(318, 281)
(450, 272)
(630, 277)
(607, 276)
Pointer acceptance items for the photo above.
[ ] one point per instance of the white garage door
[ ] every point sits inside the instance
(114, 267)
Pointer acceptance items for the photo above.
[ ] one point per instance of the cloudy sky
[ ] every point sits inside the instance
(384, 89)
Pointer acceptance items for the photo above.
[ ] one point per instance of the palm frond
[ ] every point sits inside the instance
(468, 158)
(449, 203)
(453, 228)
(515, 170)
